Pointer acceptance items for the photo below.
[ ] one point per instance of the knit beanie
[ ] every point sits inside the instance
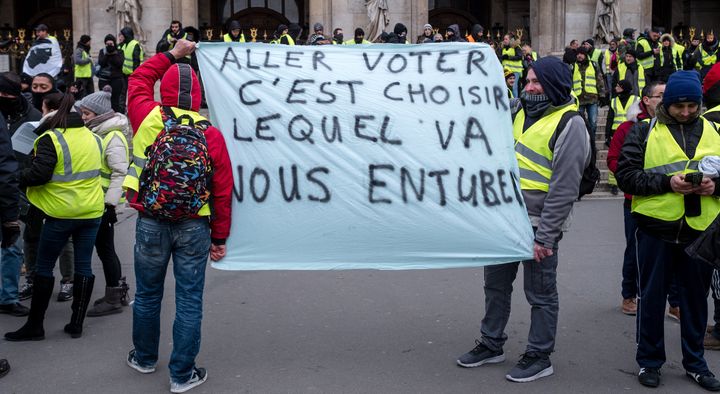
(682, 86)
(9, 86)
(711, 84)
(84, 39)
(98, 102)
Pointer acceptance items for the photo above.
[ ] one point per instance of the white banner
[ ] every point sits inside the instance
(367, 156)
(44, 57)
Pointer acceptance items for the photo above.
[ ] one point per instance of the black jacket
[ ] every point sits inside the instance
(111, 64)
(45, 157)
(9, 192)
(632, 179)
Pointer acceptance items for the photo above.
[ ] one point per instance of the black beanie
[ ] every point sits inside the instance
(9, 86)
(84, 39)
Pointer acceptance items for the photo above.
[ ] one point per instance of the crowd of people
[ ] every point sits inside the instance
(95, 150)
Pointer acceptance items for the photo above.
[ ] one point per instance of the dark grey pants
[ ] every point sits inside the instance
(541, 293)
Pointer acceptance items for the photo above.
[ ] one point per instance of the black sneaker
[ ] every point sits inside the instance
(66, 292)
(480, 355)
(532, 366)
(199, 376)
(26, 291)
(649, 377)
(706, 380)
(16, 309)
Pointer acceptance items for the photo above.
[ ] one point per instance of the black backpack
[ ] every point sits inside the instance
(591, 174)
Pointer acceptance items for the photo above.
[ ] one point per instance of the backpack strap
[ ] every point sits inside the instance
(170, 115)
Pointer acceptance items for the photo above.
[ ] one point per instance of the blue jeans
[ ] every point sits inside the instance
(516, 86)
(53, 238)
(590, 111)
(188, 242)
(10, 262)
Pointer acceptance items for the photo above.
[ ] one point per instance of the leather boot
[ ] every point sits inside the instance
(82, 291)
(33, 329)
(110, 303)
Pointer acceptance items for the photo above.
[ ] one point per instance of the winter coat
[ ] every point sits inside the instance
(634, 114)
(9, 191)
(115, 155)
(112, 64)
(141, 102)
(633, 179)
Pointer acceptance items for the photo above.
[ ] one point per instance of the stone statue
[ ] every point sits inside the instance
(128, 14)
(606, 20)
(378, 14)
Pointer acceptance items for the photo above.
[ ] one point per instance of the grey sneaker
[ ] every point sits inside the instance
(133, 363)
(199, 376)
(532, 366)
(480, 355)
(66, 292)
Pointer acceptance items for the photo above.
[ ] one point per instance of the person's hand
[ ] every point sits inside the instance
(217, 252)
(10, 233)
(182, 48)
(540, 252)
(505, 57)
(678, 184)
(110, 214)
(656, 50)
(706, 188)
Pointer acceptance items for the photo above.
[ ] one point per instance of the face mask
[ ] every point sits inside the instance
(38, 100)
(338, 37)
(9, 106)
(109, 48)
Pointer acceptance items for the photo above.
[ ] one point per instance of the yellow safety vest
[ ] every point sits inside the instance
(352, 42)
(290, 40)
(676, 57)
(664, 156)
(146, 134)
(172, 44)
(649, 62)
(595, 56)
(607, 58)
(105, 170)
(85, 70)
(74, 191)
(514, 65)
(227, 38)
(707, 59)
(128, 50)
(590, 80)
(620, 111)
(622, 70)
(532, 151)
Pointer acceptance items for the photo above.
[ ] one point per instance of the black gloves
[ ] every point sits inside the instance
(110, 214)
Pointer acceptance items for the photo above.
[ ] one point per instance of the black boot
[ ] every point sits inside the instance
(33, 330)
(82, 291)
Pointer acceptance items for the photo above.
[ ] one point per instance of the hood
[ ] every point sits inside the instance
(455, 29)
(710, 46)
(555, 78)
(476, 31)
(115, 121)
(634, 111)
(180, 88)
(668, 36)
(110, 37)
(128, 33)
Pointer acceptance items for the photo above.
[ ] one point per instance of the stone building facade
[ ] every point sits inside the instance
(548, 24)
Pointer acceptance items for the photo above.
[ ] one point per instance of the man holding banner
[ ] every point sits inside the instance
(552, 149)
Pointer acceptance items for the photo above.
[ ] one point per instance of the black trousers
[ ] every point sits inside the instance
(658, 261)
(117, 98)
(105, 247)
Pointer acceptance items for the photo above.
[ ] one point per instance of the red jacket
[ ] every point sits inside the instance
(618, 139)
(181, 89)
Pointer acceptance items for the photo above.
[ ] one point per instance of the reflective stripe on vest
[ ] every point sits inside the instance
(532, 151)
(622, 70)
(708, 59)
(227, 38)
(105, 171)
(74, 190)
(514, 65)
(648, 62)
(663, 155)
(146, 134)
(128, 50)
(620, 111)
(590, 80)
(84, 70)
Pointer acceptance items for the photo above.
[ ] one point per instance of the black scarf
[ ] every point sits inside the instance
(534, 105)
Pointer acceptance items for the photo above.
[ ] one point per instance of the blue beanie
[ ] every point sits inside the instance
(555, 78)
(682, 86)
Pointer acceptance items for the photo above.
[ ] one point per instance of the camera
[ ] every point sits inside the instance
(695, 178)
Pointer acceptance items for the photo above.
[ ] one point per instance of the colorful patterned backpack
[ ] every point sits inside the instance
(174, 184)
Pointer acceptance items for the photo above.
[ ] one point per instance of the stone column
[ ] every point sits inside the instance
(81, 20)
(547, 26)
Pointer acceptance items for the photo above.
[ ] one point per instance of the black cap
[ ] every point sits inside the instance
(41, 27)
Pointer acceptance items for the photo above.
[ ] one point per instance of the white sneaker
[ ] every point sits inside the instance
(199, 376)
(132, 363)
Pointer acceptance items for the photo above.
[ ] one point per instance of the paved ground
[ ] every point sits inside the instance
(362, 331)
